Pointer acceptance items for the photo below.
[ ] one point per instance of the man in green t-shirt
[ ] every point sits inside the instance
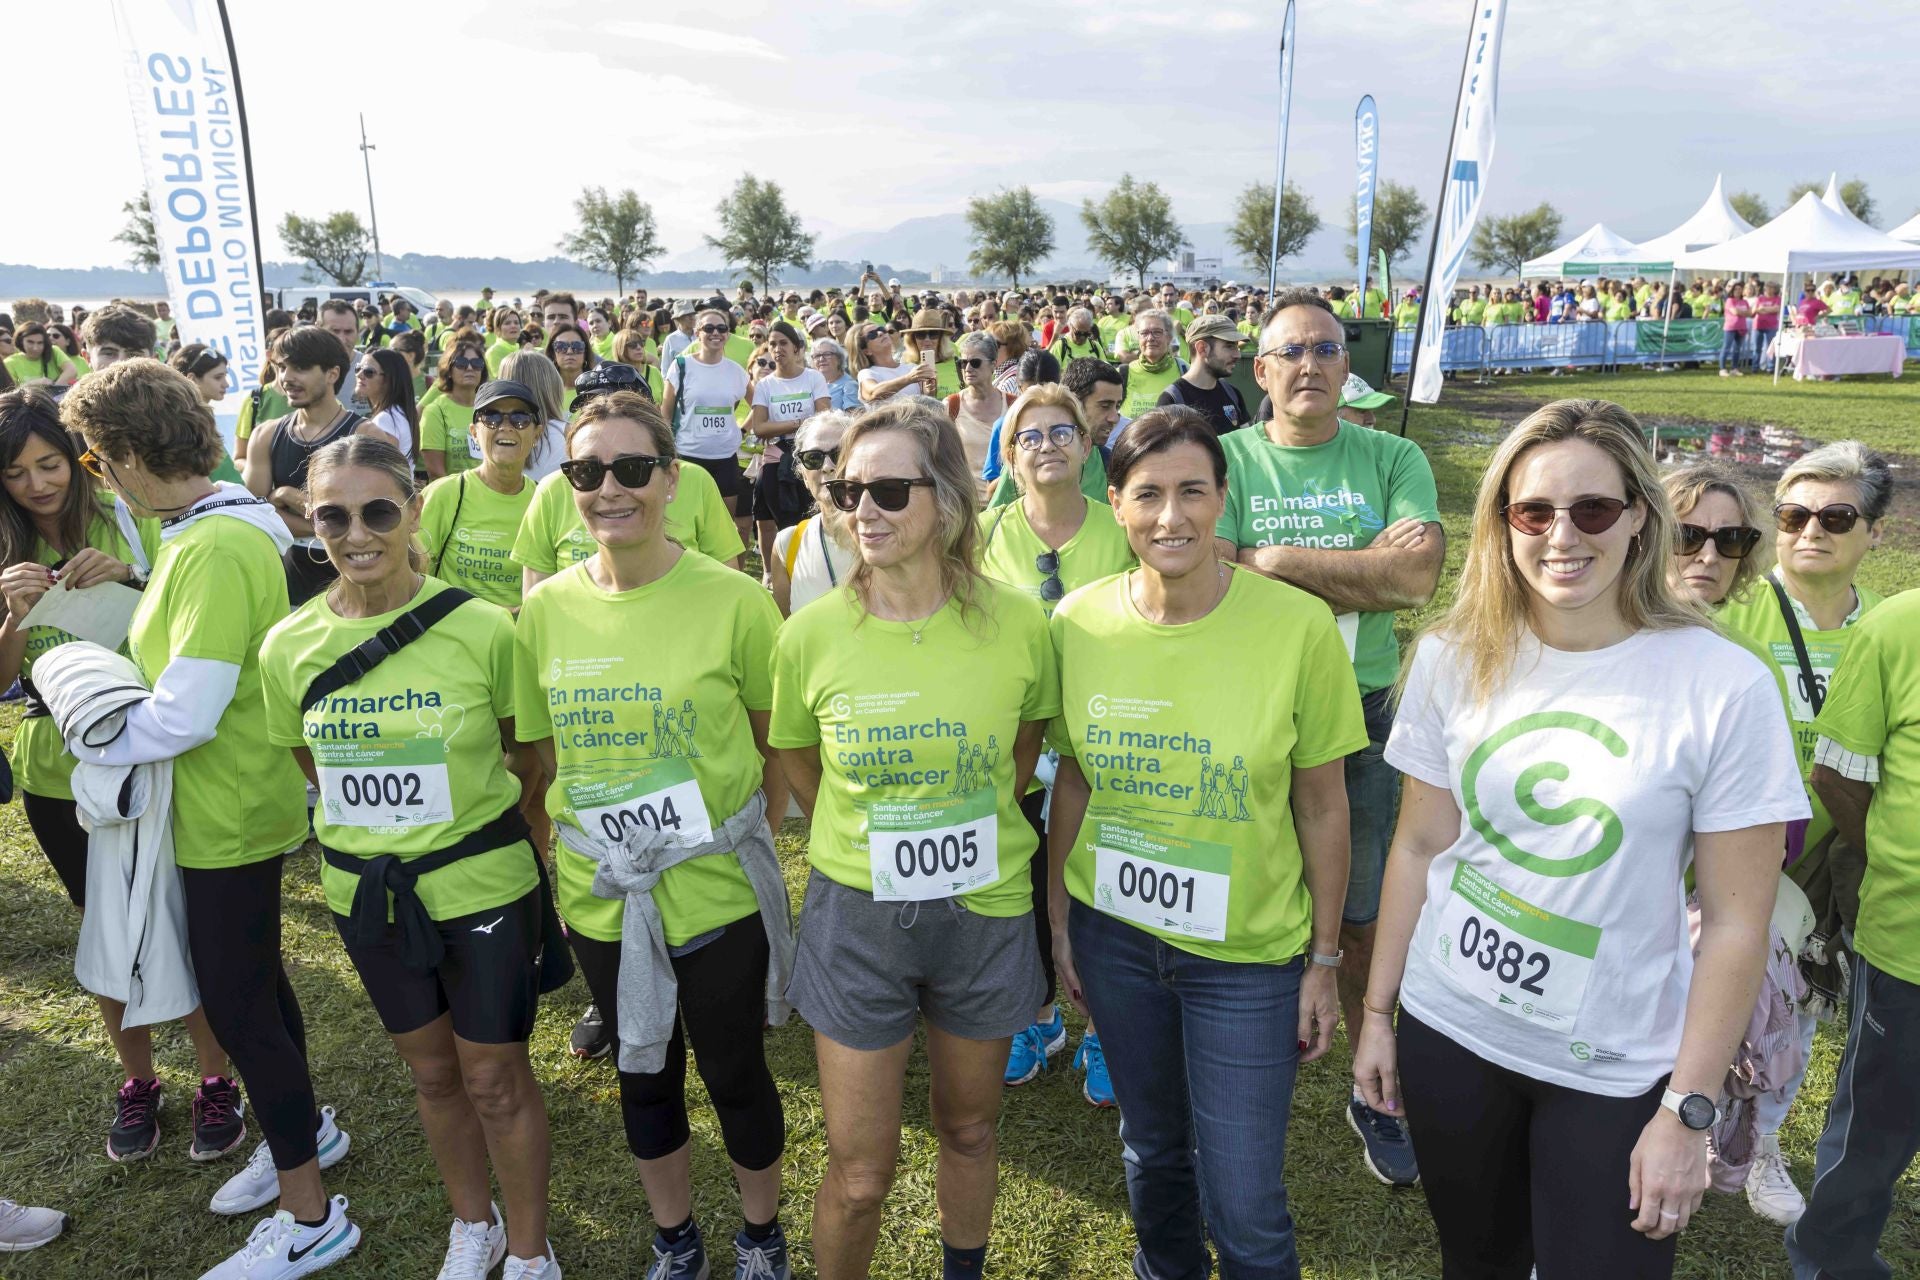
(1352, 516)
(1867, 770)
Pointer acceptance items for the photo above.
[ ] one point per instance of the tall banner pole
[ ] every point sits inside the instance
(183, 85)
(1469, 160)
(1366, 125)
(1280, 152)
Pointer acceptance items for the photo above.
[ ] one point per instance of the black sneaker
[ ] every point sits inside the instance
(1384, 1145)
(590, 1036)
(218, 1123)
(136, 1121)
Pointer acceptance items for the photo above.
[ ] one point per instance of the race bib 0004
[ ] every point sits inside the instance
(1164, 882)
(396, 782)
(665, 796)
(1521, 959)
(933, 848)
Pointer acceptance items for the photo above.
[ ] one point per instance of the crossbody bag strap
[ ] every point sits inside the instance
(826, 553)
(383, 644)
(453, 524)
(1810, 684)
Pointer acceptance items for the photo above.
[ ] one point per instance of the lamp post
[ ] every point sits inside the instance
(379, 269)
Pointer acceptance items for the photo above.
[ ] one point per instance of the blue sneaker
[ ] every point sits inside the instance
(1099, 1086)
(1033, 1046)
(684, 1260)
(1384, 1145)
(764, 1260)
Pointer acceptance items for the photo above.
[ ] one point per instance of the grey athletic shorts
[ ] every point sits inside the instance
(866, 968)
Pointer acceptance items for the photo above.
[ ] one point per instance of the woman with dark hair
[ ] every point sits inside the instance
(58, 533)
(572, 354)
(384, 380)
(205, 367)
(64, 342)
(444, 446)
(36, 363)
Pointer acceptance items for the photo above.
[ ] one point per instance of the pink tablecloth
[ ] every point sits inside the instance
(1866, 353)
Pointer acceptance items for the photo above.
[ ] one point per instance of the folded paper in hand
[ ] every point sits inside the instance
(101, 613)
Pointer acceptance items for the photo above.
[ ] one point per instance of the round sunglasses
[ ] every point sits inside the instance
(1836, 518)
(1061, 434)
(1732, 541)
(332, 521)
(630, 471)
(890, 494)
(1589, 515)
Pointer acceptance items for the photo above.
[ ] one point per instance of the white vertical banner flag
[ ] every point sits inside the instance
(1469, 157)
(1280, 151)
(1366, 156)
(191, 127)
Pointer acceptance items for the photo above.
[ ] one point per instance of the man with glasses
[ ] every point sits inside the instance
(703, 389)
(1352, 516)
(1204, 385)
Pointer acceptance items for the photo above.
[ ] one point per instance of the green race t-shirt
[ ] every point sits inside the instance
(656, 733)
(217, 588)
(1144, 385)
(916, 743)
(552, 535)
(468, 530)
(1873, 708)
(41, 763)
(1335, 496)
(409, 755)
(1009, 549)
(443, 426)
(1189, 830)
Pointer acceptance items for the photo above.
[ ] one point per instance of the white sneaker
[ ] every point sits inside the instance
(280, 1248)
(1770, 1188)
(474, 1248)
(24, 1227)
(546, 1268)
(258, 1185)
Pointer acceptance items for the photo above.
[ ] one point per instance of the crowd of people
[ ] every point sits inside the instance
(1084, 677)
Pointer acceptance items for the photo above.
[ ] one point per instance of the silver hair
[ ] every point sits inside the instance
(819, 425)
(1155, 313)
(833, 348)
(1845, 462)
(1074, 315)
(982, 343)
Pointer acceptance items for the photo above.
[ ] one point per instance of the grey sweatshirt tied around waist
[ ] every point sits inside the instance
(649, 992)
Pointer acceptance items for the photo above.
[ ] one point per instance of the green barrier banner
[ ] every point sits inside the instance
(1681, 338)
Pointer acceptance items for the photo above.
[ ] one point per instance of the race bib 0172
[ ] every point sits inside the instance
(935, 847)
(1165, 882)
(1523, 960)
(393, 782)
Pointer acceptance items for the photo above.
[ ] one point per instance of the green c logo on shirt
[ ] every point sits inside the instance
(1530, 778)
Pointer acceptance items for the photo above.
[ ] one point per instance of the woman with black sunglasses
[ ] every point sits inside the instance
(1828, 513)
(648, 742)
(815, 555)
(1574, 738)
(445, 447)
(572, 354)
(385, 381)
(909, 707)
(1719, 531)
(409, 763)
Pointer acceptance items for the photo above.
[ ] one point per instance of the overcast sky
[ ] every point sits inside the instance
(490, 114)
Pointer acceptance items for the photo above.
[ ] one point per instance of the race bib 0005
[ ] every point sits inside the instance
(930, 848)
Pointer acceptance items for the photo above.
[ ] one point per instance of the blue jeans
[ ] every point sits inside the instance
(1731, 341)
(1202, 1054)
(1373, 803)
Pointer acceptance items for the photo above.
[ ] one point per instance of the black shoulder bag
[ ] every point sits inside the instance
(1810, 687)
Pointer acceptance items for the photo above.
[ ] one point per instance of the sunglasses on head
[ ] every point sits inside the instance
(1732, 541)
(890, 494)
(1061, 433)
(518, 419)
(382, 515)
(1589, 515)
(818, 459)
(1836, 518)
(469, 362)
(630, 471)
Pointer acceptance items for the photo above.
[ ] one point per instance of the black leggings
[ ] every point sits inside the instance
(723, 1007)
(56, 825)
(1030, 806)
(1519, 1173)
(233, 933)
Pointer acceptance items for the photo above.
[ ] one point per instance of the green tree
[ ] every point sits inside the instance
(1751, 207)
(336, 247)
(143, 245)
(1251, 232)
(1853, 194)
(1503, 244)
(1010, 231)
(615, 236)
(1399, 214)
(1132, 227)
(759, 232)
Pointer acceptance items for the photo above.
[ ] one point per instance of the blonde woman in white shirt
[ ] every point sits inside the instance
(1574, 736)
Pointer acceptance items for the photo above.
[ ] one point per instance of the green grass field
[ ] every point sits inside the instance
(1062, 1209)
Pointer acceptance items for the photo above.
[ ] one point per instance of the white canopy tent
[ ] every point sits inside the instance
(1594, 250)
(1714, 223)
(1908, 230)
(1832, 199)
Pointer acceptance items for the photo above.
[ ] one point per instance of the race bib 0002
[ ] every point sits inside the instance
(1164, 882)
(395, 782)
(933, 848)
(1521, 959)
(664, 796)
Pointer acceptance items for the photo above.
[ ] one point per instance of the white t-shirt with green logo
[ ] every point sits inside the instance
(789, 401)
(704, 425)
(409, 756)
(1553, 940)
(1189, 829)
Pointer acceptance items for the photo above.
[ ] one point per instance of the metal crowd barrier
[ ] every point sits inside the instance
(1600, 345)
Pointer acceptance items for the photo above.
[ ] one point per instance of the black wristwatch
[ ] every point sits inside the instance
(1696, 1110)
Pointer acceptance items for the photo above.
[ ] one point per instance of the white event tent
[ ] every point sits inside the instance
(1832, 200)
(1908, 230)
(1594, 250)
(1714, 223)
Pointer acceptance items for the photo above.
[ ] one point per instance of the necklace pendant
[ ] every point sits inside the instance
(916, 637)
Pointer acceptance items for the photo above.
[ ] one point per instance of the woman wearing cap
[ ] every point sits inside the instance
(703, 943)
(1198, 849)
(449, 956)
(814, 556)
(444, 444)
(919, 901)
(1051, 541)
(976, 409)
(572, 355)
(217, 587)
(783, 397)
(882, 376)
(468, 522)
(830, 359)
(1574, 737)
(537, 374)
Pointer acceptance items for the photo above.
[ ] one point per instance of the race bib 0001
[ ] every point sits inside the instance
(1521, 959)
(664, 796)
(1165, 882)
(396, 782)
(930, 848)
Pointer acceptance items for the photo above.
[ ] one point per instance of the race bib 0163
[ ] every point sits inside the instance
(1164, 882)
(665, 796)
(395, 782)
(1521, 959)
(933, 848)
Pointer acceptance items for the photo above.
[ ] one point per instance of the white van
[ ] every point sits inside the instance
(297, 296)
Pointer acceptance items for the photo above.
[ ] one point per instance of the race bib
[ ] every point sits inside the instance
(1161, 881)
(664, 796)
(1349, 624)
(1822, 660)
(933, 848)
(473, 447)
(793, 408)
(1519, 958)
(708, 420)
(396, 782)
